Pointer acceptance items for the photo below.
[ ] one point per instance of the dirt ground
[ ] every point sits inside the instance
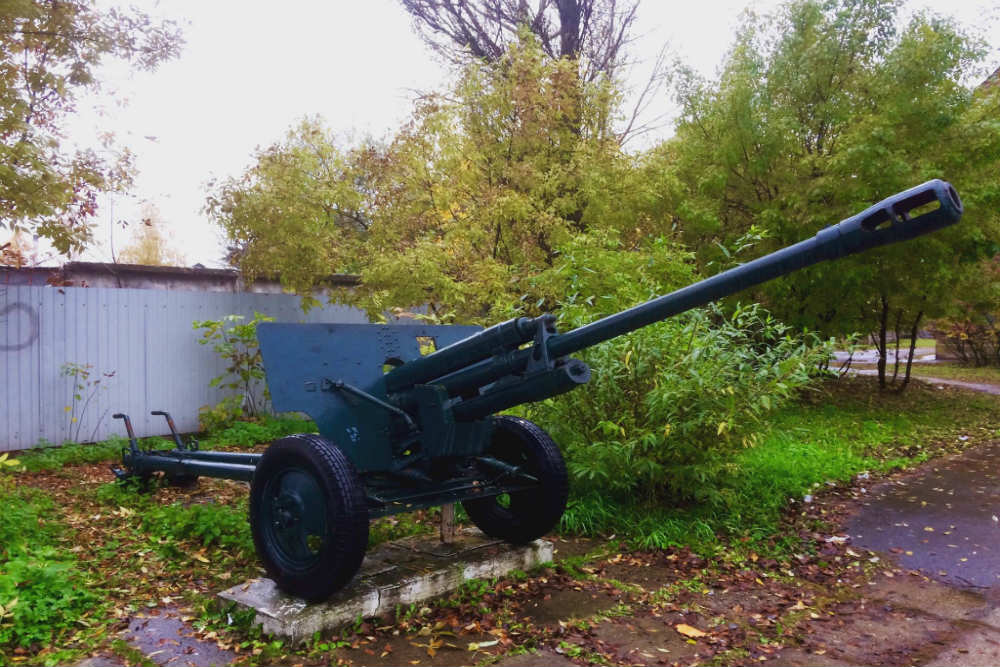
(900, 571)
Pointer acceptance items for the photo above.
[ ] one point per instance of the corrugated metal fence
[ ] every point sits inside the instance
(139, 343)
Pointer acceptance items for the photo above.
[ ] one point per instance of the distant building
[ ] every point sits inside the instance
(138, 276)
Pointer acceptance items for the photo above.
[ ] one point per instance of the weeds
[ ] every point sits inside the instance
(43, 593)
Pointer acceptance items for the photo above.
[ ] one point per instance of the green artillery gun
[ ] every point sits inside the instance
(401, 430)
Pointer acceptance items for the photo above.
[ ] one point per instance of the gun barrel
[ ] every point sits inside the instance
(886, 222)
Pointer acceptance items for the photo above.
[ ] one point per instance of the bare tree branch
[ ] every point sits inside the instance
(592, 32)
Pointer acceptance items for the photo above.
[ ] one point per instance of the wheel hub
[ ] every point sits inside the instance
(288, 510)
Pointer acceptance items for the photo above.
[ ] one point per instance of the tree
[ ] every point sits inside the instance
(149, 245)
(461, 212)
(51, 50)
(820, 111)
(592, 32)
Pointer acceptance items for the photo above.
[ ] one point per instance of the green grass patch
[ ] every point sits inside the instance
(244, 435)
(407, 524)
(207, 524)
(846, 428)
(53, 457)
(44, 595)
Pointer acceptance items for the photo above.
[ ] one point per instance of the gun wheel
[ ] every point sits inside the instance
(523, 516)
(308, 516)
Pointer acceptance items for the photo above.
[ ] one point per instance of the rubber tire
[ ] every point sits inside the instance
(343, 547)
(531, 513)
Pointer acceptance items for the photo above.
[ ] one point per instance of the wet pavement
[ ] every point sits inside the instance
(981, 387)
(920, 355)
(944, 521)
(165, 638)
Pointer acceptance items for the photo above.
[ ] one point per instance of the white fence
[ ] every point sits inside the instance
(139, 343)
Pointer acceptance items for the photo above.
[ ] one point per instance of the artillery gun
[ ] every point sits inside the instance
(401, 430)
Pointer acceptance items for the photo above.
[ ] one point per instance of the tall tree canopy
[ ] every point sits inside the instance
(50, 52)
(820, 111)
(461, 211)
(497, 191)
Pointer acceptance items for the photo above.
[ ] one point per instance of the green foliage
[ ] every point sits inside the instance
(400, 525)
(236, 342)
(208, 524)
(667, 406)
(43, 596)
(6, 462)
(53, 457)
(846, 429)
(671, 405)
(222, 415)
(247, 434)
(457, 212)
(42, 593)
(972, 327)
(52, 52)
(818, 112)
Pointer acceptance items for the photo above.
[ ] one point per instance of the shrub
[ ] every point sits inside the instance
(44, 595)
(668, 406)
(236, 342)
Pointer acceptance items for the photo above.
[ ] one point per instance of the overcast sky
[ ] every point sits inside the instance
(250, 69)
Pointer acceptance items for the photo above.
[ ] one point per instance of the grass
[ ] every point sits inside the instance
(43, 587)
(904, 343)
(846, 428)
(108, 552)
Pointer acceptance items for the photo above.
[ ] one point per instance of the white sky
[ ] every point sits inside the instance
(251, 69)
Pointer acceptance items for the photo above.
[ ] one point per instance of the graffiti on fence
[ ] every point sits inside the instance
(21, 318)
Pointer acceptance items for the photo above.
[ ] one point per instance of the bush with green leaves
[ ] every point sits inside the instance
(236, 342)
(209, 524)
(669, 405)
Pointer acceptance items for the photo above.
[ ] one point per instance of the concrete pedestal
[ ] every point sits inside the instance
(396, 573)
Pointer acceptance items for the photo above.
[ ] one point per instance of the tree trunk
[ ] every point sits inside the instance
(913, 345)
(881, 343)
(895, 369)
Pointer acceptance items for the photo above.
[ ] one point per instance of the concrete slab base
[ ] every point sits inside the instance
(396, 573)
